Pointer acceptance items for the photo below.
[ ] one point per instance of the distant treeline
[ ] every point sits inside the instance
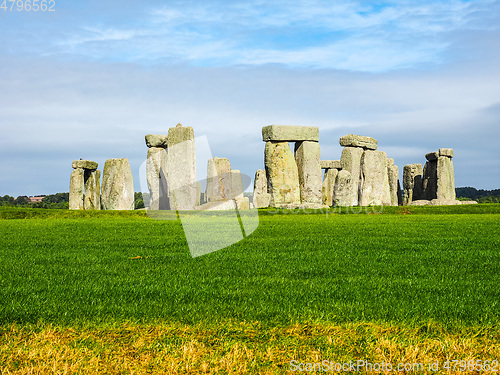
(482, 196)
(59, 200)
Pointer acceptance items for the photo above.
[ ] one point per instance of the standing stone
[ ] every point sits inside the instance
(236, 184)
(328, 188)
(92, 199)
(198, 193)
(375, 189)
(412, 183)
(351, 161)
(446, 152)
(218, 180)
(429, 178)
(343, 186)
(242, 203)
(181, 171)
(394, 187)
(282, 175)
(445, 178)
(117, 185)
(157, 162)
(307, 157)
(261, 198)
(76, 185)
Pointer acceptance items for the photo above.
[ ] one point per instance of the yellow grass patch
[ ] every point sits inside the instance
(234, 348)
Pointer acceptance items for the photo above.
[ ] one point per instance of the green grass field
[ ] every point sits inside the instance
(408, 269)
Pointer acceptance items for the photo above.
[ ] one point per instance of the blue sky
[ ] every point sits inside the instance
(92, 78)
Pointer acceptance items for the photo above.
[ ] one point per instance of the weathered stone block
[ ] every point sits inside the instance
(429, 179)
(92, 200)
(218, 179)
(179, 134)
(394, 187)
(85, 164)
(156, 140)
(158, 191)
(352, 140)
(330, 164)
(343, 187)
(218, 206)
(307, 157)
(351, 161)
(445, 178)
(412, 183)
(76, 185)
(328, 188)
(181, 168)
(242, 203)
(469, 202)
(261, 198)
(444, 202)
(236, 184)
(432, 156)
(282, 174)
(375, 189)
(290, 133)
(446, 152)
(117, 185)
(420, 202)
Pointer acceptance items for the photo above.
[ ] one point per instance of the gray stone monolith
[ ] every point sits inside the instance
(236, 184)
(92, 200)
(352, 140)
(307, 157)
(282, 175)
(394, 187)
(445, 178)
(328, 188)
(351, 162)
(429, 177)
(117, 185)
(218, 179)
(412, 183)
(198, 193)
(156, 140)
(330, 164)
(343, 186)
(375, 189)
(290, 133)
(158, 192)
(242, 203)
(76, 186)
(261, 198)
(85, 164)
(181, 168)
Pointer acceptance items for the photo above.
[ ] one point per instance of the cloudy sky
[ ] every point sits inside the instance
(91, 78)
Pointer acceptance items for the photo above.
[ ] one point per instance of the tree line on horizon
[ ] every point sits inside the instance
(57, 201)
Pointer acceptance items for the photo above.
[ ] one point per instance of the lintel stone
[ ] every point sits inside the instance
(352, 140)
(446, 152)
(85, 164)
(290, 133)
(431, 156)
(156, 140)
(330, 164)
